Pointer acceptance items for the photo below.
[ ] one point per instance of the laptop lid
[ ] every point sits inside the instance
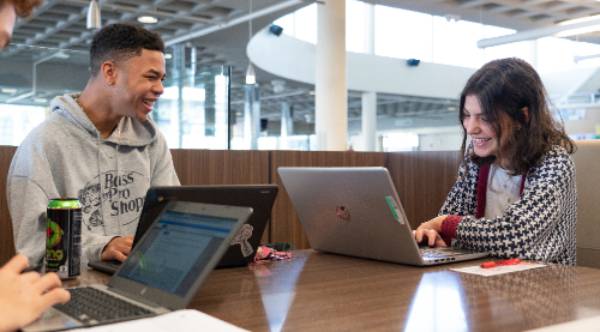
(259, 197)
(356, 211)
(178, 251)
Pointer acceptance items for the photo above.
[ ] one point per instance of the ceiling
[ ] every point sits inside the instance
(223, 27)
(513, 14)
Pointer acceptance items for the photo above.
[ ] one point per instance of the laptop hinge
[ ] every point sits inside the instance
(133, 297)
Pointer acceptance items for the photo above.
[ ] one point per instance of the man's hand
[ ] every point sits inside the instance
(118, 248)
(431, 230)
(25, 296)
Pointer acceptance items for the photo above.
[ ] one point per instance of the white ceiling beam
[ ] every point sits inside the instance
(533, 34)
(242, 19)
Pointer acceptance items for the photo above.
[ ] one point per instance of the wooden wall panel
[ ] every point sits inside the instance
(221, 167)
(285, 225)
(422, 180)
(7, 246)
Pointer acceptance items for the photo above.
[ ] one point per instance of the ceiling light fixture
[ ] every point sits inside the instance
(147, 19)
(250, 73)
(93, 20)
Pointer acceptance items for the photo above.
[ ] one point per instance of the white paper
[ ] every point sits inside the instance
(588, 324)
(502, 269)
(180, 321)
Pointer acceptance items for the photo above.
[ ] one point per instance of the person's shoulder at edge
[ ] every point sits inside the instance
(556, 155)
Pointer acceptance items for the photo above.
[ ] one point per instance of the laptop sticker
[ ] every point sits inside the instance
(394, 208)
(242, 238)
(342, 213)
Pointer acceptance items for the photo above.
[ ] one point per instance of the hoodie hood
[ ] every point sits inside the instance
(129, 131)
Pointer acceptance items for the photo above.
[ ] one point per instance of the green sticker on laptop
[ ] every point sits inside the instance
(391, 202)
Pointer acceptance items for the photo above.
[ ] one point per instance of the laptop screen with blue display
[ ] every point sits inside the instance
(175, 250)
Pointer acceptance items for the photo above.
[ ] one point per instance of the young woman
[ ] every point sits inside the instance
(515, 194)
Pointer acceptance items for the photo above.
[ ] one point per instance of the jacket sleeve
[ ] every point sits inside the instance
(29, 186)
(528, 220)
(163, 173)
(461, 199)
(27, 203)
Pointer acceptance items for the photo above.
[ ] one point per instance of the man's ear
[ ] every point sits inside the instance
(108, 69)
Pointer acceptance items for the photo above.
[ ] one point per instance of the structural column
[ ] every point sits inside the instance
(179, 79)
(369, 98)
(331, 114)
(369, 120)
(252, 115)
(287, 125)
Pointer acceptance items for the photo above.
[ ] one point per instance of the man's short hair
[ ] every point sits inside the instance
(23, 8)
(119, 42)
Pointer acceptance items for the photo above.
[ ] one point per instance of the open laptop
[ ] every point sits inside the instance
(356, 211)
(162, 273)
(259, 197)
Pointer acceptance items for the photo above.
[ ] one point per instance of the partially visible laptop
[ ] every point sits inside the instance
(356, 211)
(259, 197)
(162, 273)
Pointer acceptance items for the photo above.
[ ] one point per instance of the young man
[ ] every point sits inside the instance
(98, 146)
(23, 296)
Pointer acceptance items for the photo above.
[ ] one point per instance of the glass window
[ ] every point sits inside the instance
(16, 121)
(193, 113)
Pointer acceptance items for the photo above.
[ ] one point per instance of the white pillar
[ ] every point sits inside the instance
(251, 116)
(287, 125)
(369, 120)
(369, 98)
(331, 109)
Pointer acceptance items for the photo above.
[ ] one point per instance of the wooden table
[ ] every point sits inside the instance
(322, 292)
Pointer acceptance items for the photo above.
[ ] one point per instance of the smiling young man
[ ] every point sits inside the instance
(98, 146)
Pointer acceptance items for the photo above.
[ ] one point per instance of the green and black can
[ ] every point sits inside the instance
(63, 237)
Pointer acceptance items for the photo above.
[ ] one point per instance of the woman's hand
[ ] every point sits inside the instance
(430, 230)
(25, 296)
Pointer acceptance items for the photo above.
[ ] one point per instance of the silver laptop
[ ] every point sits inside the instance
(356, 211)
(162, 273)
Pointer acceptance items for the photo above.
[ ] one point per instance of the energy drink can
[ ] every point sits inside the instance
(63, 238)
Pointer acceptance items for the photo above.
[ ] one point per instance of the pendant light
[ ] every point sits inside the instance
(93, 20)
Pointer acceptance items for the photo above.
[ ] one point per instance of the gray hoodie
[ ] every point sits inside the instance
(65, 156)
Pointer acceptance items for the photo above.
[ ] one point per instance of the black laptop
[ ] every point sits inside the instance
(243, 246)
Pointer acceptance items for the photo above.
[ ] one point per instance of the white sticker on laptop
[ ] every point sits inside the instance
(391, 203)
(242, 238)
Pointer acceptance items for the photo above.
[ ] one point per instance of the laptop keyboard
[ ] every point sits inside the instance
(90, 306)
(439, 253)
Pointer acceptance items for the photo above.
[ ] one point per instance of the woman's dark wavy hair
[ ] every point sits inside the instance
(504, 88)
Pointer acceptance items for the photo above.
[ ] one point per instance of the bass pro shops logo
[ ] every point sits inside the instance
(113, 194)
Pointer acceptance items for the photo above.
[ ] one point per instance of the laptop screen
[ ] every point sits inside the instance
(176, 249)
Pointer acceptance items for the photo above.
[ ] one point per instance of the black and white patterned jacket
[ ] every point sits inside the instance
(539, 226)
